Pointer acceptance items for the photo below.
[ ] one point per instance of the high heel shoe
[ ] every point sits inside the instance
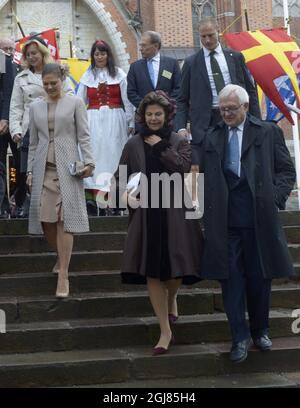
(56, 267)
(172, 318)
(162, 350)
(63, 291)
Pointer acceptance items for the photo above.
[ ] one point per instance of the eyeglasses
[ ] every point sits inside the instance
(230, 110)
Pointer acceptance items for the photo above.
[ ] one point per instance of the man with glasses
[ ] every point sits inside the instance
(248, 176)
(204, 75)
(153, 72)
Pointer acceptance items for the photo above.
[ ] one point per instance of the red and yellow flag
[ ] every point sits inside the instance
(269, 54)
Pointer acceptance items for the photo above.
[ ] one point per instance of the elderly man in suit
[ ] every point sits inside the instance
(153, 72)
(248, 176)
(204, 75)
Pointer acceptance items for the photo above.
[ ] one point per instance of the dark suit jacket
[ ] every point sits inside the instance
(139, 82)
(270, 174)
(195, 96)
(6, 87)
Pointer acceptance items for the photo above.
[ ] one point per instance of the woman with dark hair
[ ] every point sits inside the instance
(164, 245)
(58, 126)
(103, 87)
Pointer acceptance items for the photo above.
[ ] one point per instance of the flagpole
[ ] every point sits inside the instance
(294, 115)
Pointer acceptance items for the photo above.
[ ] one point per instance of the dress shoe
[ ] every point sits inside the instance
(162, 350)
(172, 318)
(263, 343)
(62, 290)
(239, 351)
(56, 267)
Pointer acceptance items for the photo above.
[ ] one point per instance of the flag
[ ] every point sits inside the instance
(270, 55)
(50, 39)
(285, 89)
(77, 69)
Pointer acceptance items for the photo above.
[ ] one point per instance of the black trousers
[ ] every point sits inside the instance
(246, 285)
(20, 192)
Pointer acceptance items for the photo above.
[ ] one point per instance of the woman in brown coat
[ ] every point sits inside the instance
(163, 248)
(58, 125)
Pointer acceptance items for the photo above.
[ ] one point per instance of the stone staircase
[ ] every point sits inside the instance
(103, 333)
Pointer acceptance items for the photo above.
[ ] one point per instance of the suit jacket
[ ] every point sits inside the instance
(6, 87)
(195, 96)
(270, 174)
(139, 82)
(70, 131)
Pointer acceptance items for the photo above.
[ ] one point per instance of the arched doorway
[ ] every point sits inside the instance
(79, 21)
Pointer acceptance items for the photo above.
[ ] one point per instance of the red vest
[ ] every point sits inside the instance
(104, 95)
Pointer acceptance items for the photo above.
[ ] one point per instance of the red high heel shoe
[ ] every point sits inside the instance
(172, 318)
(157, 351)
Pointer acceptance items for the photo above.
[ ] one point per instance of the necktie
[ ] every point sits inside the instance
(217, 73)
(233, 153)
(151, 72)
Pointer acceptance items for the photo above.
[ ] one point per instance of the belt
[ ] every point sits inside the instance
(110, 106)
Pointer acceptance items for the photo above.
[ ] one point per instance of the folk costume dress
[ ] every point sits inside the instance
(110, 114)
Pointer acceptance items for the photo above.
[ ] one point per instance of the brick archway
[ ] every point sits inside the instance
(110, 27)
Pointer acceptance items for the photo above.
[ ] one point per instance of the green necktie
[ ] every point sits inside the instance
(217, 73)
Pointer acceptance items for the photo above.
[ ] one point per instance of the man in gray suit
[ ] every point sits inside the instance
(204, 75)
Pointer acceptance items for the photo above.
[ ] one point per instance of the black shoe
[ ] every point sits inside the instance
(20, 212)
(263, 343)
(4, 214)
(91, 208)
(239, 351)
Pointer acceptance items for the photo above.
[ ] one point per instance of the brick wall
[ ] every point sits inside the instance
(173, 19)
(259, 14)
(127, 34)
(147, 13)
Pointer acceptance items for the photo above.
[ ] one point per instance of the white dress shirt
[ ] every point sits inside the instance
(220, 57)
(156, 62)
(240, 132)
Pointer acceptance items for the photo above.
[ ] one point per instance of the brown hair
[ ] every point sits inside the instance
(157, 98)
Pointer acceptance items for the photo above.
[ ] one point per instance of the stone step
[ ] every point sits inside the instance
(83, 334)
(292, 234)
(126, 304)
(80, 261)
(97, 224)
(93, 241)
(44, 284)
(108, 366)
(103, 305)
(252, 380)
(116, 224)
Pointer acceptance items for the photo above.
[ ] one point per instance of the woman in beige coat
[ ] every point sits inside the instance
(58, 125)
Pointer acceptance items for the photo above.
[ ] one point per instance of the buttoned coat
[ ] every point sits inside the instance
(184, 235)
(70, 132)
(27, 88)
(195, 98)
(270, 173)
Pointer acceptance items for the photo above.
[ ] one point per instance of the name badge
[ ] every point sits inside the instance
(167, 74)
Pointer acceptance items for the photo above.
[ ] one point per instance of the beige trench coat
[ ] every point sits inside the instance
(27, 88)
(70, 131)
